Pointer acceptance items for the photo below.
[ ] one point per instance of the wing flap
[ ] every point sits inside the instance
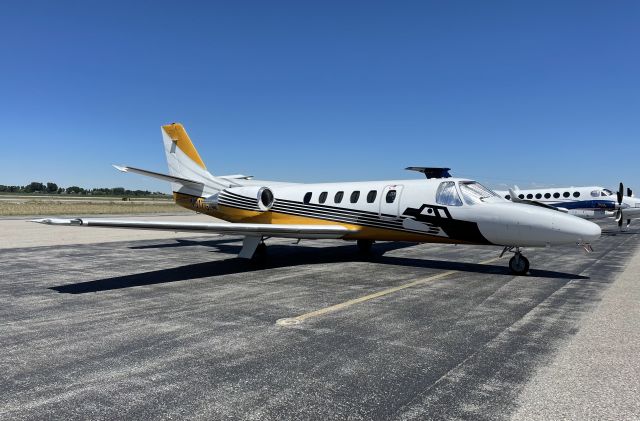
(268, 230)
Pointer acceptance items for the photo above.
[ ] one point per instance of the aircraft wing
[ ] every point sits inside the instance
(253, 230)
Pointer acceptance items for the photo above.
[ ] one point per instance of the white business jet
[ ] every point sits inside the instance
(438, 209)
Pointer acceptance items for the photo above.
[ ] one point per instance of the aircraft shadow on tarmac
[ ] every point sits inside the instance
(613, 233)
(187, 243)
(286, 256)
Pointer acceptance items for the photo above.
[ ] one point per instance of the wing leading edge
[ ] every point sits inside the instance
(253, 230)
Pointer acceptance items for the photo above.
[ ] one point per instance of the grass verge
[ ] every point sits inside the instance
(52, 207)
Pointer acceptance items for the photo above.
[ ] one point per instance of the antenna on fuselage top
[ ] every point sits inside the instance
(432, 172)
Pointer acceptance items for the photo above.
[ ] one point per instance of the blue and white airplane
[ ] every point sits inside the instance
(591, 202)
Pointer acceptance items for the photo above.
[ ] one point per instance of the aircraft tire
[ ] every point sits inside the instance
(365, 246)
(261, 250)
(519, 264)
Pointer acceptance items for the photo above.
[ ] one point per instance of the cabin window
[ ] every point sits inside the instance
(447, 194)
(355, 196)
(547, 195)
(538, 196)
(508, 197)
(371, 196)
(521, 196)
(566, 194)
(391, 196)
(556, 195)
(576, 194)
(323, 197)
(529, 196)
(338, 197)
(307, 197)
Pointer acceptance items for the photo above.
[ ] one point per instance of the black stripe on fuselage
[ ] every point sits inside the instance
(335, 208)
(314, 210)
(364, 218)
(227, 202)
(238, 196)
(240, 199)
(341, 218)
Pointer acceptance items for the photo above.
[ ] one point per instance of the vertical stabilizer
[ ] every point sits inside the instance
(179, 139)
(184, 161)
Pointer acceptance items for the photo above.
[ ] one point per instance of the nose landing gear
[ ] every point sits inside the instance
(518, 264)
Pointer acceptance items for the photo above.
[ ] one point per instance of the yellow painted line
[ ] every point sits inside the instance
(301, 318)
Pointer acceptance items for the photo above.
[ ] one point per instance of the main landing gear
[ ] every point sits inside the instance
(518, 264)
(365, 246)
(261, 251)
(253, 248)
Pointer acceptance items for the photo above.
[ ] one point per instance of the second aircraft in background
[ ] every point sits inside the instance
(590, 202)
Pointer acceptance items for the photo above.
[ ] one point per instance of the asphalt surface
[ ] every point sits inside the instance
(174, 329)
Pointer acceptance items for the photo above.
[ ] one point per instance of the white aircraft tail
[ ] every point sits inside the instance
(185, 163)
(187, 172)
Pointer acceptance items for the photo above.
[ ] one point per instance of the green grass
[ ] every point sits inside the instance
(61, 207)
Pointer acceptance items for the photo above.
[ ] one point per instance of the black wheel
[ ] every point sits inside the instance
(260, 255)
(365, 246)
(519, 264)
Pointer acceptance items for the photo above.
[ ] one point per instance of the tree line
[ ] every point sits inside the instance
(53, 188)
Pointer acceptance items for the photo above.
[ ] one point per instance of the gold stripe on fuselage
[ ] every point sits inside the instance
(232, 214)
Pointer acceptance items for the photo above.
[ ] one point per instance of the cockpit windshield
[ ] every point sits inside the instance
(606, 192)
(474, 192)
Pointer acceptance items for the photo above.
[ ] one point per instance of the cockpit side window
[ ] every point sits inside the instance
(595, 193)
(447, 194)
(473, 192)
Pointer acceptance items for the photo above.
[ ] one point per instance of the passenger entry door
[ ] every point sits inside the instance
(390, 201)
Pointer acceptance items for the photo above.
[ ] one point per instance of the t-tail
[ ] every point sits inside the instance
(187, 172)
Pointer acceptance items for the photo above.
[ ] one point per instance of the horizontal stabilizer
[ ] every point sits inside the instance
(236, 177)
(165, 177)
(432, 172)
(267, 230)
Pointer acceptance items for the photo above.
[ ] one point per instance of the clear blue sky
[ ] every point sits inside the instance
(526, 92)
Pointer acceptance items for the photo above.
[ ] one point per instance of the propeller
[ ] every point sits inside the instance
(629, 194)
(619, 196)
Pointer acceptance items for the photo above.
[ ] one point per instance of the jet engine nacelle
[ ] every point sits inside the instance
(263, 196)
(590, 213)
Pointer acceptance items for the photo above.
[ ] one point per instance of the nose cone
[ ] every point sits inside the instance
(581, 230)
(590, 231)
(533, 226)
